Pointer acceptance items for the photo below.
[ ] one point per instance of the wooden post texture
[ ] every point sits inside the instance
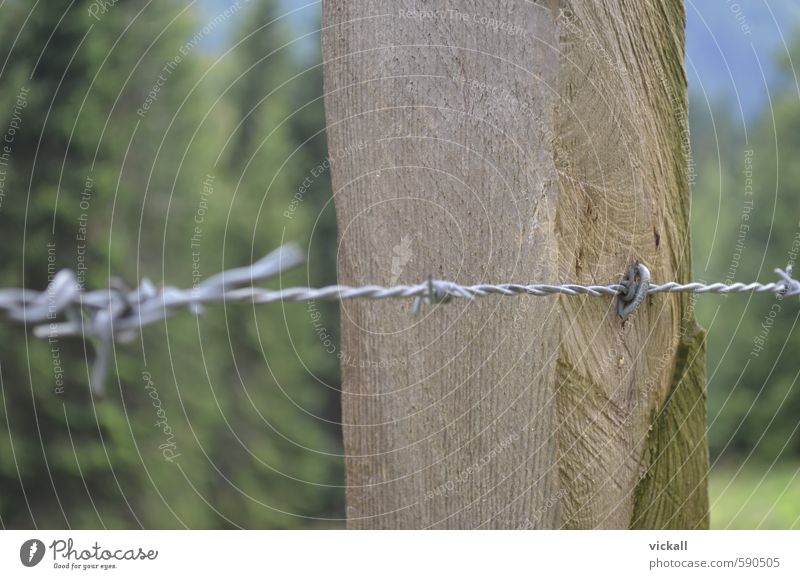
(515, 141)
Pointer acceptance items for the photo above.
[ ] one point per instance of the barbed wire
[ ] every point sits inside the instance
(117, 313)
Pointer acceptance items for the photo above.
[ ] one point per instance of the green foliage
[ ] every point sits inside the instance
(746, 224)
(173, 165)
(748, 497)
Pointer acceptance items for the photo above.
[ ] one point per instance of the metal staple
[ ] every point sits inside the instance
(117, 314)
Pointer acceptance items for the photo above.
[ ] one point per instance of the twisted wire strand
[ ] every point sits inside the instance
(116, 313)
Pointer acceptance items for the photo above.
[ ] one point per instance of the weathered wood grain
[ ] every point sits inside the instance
(515, 141)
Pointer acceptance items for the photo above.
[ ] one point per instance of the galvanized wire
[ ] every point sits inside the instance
(116, 313)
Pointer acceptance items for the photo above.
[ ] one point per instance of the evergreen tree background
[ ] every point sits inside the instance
(746, 223)
(177, 163)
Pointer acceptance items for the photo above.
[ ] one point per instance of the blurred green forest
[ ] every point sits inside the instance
(746, 223)
(137, 153)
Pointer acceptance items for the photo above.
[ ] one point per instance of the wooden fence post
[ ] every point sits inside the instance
(485, 141)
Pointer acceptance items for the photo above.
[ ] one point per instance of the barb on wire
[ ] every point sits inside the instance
(117, 313)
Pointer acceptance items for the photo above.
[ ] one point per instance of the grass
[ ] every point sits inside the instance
(752, 497)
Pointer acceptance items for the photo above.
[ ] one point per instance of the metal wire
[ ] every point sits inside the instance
(117, 314)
